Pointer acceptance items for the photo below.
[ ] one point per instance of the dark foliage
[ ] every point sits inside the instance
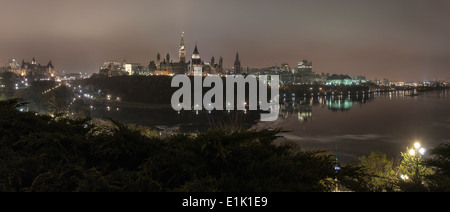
(153, 90)
(40, 153)
(440, 180)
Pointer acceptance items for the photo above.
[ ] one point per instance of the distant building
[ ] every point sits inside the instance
(196, 62)
(118, 69)
(182, 51)
(301, 75)
(399, 83)
(30, 69)
(72, 76)
(286, 78)
(12, 66)
(305, 75)
(167, 66)
(359, 80)
(237, 65)
(305, 66)
(276, 70)
(112, 69)
(213, 68)
(285, 67)
(135, 69)
(220, 65)
(340, 79)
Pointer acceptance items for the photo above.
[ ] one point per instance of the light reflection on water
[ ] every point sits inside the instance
(387, 122)
(356, 125)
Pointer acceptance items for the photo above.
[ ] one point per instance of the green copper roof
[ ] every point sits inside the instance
(182, 39)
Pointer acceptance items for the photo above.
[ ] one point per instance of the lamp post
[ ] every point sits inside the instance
(417, 152)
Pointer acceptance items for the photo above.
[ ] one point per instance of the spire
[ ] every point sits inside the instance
(221, 64)
(196, 56)
(182, 40)
(50, 65)
(213, 61)
(237, 62)
(182, 51)
(195, 50)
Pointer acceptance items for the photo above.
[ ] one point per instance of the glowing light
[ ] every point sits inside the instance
(417, 145)
(422, 151)
(404, 177)
(412, 152)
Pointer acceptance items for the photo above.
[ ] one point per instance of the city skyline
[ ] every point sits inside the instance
(399, 40)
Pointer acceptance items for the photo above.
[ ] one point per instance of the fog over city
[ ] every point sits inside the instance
(399, 40)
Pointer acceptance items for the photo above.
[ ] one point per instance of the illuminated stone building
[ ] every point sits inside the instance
(213, 68)
(167, 66)
(113, 68)
(30, 69)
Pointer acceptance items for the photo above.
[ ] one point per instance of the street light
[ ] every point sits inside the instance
(417, 151)
(412, 152)
(404, 177)
(417, 145)
(422, 151)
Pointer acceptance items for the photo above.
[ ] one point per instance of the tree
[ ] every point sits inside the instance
(2, 97)
(57, 100)
(413, 167)
(380, 170)
(41, 153)
(440, 180)
(9, 80)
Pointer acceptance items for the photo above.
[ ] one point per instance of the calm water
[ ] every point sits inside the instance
(355, 126)
(388, 122)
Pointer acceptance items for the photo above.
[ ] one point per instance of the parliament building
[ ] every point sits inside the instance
(166, 66)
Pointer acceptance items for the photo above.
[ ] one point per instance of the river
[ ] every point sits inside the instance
(388, 122)
(347, 126)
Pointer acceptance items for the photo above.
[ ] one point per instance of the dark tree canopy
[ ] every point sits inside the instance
(41, 153)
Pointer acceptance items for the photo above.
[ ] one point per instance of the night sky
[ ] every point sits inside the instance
(395, 39)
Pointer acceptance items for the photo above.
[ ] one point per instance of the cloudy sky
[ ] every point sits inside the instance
(396, 39)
